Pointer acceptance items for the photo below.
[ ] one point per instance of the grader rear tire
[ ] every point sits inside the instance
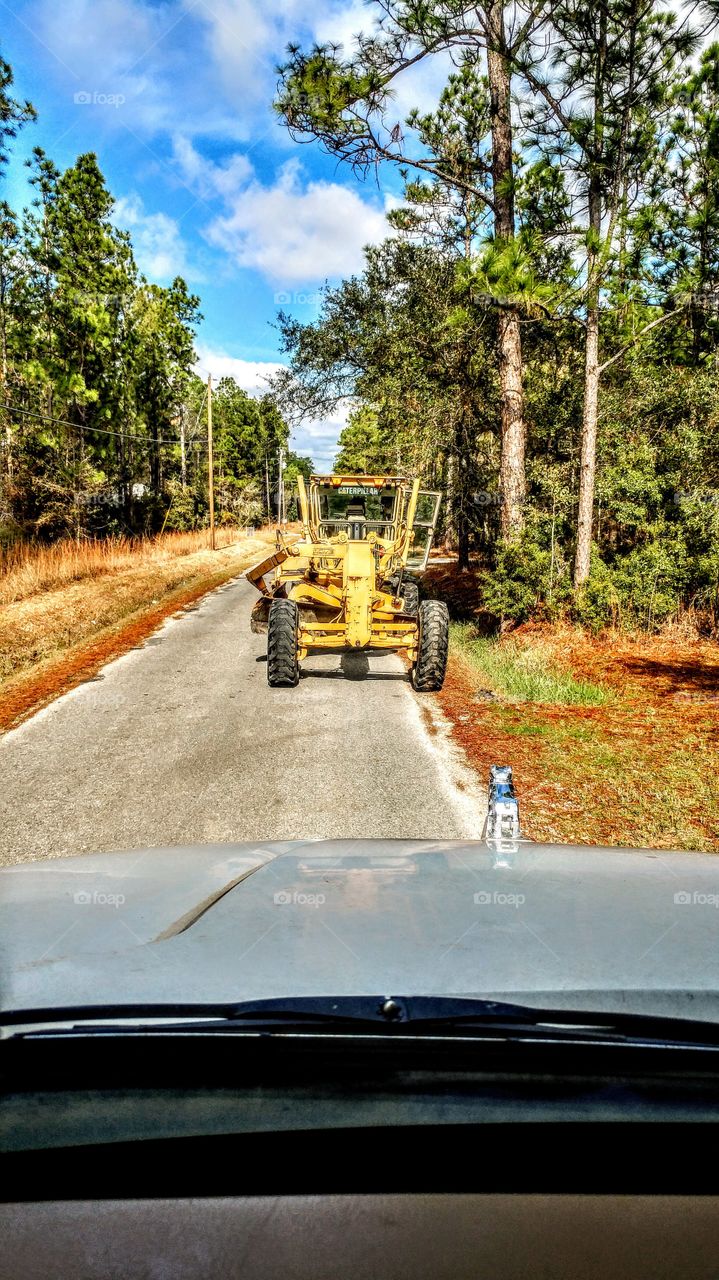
(283, 669)
(433, 643)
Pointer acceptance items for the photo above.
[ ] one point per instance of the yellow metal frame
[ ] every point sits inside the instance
(336, 577)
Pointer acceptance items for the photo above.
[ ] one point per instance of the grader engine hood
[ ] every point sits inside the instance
(359, 586)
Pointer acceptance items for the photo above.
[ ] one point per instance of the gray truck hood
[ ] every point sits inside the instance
(595, 928)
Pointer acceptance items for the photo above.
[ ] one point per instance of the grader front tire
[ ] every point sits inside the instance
(433, 643)
(283, 668)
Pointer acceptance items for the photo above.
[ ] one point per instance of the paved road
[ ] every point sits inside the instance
(182, 741)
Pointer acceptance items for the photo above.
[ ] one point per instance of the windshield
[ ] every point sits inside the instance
(375, 504)
(359, 506)
(342, 506)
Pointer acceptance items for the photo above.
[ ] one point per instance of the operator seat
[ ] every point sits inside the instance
(356, 518)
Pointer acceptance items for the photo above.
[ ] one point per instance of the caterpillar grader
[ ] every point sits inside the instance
(347, 581)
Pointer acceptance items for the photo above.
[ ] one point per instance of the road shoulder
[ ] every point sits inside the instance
(53, 642)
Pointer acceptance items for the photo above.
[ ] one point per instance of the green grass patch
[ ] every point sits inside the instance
(528, 730)
(524, 670)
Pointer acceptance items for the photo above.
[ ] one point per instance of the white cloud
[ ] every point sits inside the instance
(160, 251)
(318, 441)
(98, 38)
(246, 40)
(209, 68)
(207, 178)
(315, 438)
(342, 23)
(110, 47)
(251, 375)
(420, 86)
(298, 235)
(292, 231)
(318, 437)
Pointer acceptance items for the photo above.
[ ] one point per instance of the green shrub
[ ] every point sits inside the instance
(651, 581)
(527, 580)
(598, 604)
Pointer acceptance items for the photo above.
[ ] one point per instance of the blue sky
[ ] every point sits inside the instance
(175, 96)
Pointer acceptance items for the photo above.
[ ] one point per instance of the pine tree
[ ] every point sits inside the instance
(597, 108)
(345, 104)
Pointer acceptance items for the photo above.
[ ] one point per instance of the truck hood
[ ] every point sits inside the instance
(544, 924)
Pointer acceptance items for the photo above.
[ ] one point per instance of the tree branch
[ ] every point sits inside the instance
(553, 103)
(426, 167)
(653, 324)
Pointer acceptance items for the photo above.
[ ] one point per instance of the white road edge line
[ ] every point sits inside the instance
(457, 778)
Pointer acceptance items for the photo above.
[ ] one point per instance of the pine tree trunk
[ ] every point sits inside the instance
(450, 497)
(512, 471)
(590, 414)
(588, 456)
(460, 497)
(512, 468)
(6, 401)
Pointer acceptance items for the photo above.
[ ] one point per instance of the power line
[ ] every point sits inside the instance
(103, 431)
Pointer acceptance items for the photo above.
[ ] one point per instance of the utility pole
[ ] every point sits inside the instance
(210, 463)
(267, 488)
(281, 488)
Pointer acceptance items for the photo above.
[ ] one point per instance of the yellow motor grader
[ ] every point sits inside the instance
(343, 583)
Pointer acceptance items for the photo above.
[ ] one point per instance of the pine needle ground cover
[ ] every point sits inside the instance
(614, 740)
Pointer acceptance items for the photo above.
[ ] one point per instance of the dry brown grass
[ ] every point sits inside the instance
(47, 626)
(27, 570)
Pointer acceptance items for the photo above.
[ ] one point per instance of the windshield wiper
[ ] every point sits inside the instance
(416, 1016)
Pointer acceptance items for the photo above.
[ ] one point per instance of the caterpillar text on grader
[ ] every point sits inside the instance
(343, 583)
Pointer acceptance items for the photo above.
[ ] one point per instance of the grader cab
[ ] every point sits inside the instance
(345, 582)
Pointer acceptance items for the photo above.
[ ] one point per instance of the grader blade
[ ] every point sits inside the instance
(256, 575)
